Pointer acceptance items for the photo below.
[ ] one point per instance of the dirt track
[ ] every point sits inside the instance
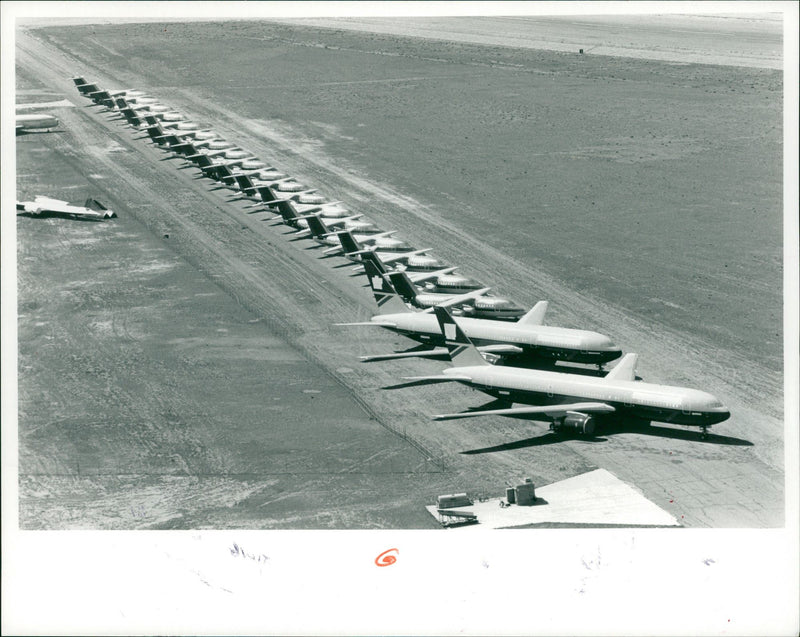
(725, 482)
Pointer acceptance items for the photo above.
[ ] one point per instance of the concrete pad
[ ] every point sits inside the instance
(596, 498)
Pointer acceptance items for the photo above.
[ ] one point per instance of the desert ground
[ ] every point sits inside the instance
(197, 380)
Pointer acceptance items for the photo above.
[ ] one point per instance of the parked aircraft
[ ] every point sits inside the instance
(35, 121)
(211, 168)
(354, 251)
(92, 210)
(491, 307)
(378, 265)
(290, 217)
(527, 339)
(381, 240)
(570, 402)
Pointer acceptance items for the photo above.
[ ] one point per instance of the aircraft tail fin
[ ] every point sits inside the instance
(88, 89)
(317, 226)
(93, 204)
(245, 183)
(405, 288)
(349, 244)
(154, 130)
(130, 115)
(462, 352)
(376, 262)
(288, 213)
(225, 175)
(625, 369)
(535, 316)
(385, 296)
(103, 97)
(266, 194)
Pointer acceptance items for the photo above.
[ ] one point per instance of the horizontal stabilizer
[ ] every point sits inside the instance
(625, 369)
(550, 411)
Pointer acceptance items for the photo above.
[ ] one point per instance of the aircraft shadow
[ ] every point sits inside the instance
(21, 133)
(53, 215)
(418, 349)
(605, 430)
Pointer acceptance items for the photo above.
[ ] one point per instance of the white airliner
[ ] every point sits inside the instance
(528, 339)
(401, 283)
(332, 214)
(92, 210)
(479, 305)
(354, 251)
(35, 121)
(324, 235)
(572, 403)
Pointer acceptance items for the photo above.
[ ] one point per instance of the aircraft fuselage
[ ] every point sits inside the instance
(536, 341)
(662, 403)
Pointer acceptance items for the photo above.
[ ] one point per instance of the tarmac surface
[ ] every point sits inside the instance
(142, 313)
(594, 499)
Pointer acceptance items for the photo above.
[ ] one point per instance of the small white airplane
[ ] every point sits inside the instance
(35, 121)
(92, 210)
(571, 403)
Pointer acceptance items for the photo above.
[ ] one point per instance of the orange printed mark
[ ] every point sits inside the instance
(384, 559)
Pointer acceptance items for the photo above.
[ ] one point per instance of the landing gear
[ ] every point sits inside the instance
(704, 433)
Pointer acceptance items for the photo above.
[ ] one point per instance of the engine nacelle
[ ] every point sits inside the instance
(581, 424)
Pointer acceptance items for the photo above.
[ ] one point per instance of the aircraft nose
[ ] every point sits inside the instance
(719, 414)
(605, 344)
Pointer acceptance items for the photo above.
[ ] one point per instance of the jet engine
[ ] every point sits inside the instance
(576, 423)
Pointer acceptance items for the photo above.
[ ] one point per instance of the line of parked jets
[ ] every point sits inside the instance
(494, 345)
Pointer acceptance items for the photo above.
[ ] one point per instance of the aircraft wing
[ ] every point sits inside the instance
(550, 411)
(49, 201)
(366, 323)
(438, 351)
(437, 377)
(461, 298)
(427, 276)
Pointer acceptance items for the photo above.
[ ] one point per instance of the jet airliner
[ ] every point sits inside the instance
(571, 402)
(526, 339)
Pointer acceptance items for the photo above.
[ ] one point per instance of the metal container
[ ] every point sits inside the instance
(510, 495)
(525, 494)
(453, 500)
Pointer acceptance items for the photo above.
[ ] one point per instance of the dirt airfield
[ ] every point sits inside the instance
(197, 381)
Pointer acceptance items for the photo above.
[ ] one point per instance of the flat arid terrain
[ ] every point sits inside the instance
(179, 366)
